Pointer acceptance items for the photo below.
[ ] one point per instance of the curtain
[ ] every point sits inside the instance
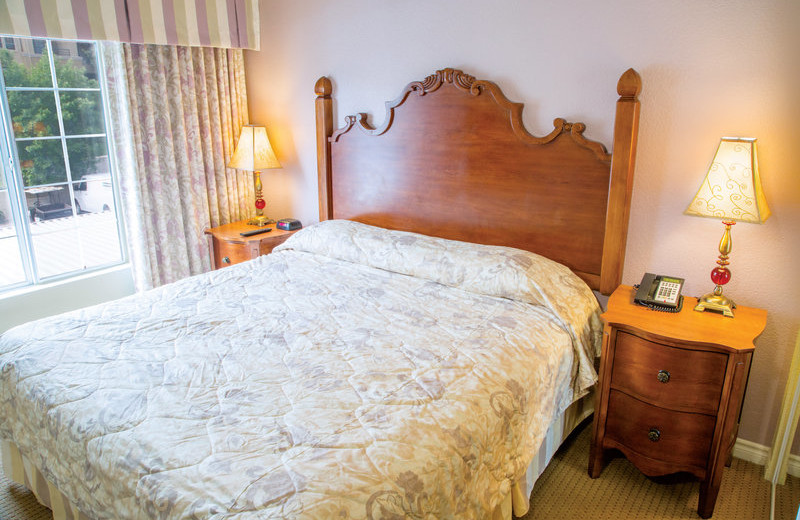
(186, 108)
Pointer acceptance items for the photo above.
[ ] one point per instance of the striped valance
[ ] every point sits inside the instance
(207, 23)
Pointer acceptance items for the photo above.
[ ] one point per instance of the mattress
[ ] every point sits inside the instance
(354, 373)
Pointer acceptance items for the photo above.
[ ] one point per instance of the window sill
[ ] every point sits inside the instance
(39, 301)
(34, 288)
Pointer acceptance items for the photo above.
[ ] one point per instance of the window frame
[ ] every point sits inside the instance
(11, 170)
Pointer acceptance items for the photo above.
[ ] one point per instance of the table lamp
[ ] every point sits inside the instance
(254, 153)
(732, 192)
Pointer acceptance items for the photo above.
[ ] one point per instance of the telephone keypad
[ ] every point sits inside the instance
(667, 292)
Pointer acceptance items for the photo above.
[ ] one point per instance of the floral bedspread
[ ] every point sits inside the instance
(353, 373)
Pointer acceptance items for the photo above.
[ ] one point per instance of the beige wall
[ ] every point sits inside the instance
(710, 69)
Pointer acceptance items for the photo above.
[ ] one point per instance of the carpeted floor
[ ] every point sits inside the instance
(565, 492)
(17, 503)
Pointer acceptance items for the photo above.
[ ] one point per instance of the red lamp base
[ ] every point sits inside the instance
(259, 220)
(720, 275)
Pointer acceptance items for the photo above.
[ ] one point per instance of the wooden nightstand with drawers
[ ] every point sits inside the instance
(229, 247)
(671, 389)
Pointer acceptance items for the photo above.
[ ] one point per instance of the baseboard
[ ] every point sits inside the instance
(758, 454)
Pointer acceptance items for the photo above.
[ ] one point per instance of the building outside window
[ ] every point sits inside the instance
(58, 200)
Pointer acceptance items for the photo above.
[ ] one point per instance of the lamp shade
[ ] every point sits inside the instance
(732, 187)
(253, 151)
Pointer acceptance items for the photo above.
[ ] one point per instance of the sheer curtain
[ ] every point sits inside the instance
(185, 108)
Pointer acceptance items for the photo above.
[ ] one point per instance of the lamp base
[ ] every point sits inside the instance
(260, 221)
(716, 303)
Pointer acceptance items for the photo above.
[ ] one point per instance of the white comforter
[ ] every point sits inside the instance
(353, 373)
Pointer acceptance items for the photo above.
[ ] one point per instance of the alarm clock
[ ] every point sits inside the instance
(289, 224)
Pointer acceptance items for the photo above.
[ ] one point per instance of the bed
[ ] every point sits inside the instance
(405, 357)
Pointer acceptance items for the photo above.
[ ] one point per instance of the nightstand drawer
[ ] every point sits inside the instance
(679, 438)
(675, 378)
(229, 253)
(269, 243)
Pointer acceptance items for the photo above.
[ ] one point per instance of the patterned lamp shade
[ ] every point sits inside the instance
(732, 187)
(253, 151)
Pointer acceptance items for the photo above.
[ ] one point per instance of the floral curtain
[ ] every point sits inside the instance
(186, 108)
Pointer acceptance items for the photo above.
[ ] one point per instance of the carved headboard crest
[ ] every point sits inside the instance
(453, 76)
(469, 84)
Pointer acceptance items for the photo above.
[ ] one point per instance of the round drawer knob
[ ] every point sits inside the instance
(226, 260)
(662, 376)
(654, 434)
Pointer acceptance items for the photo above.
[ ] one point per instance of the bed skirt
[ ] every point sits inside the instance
(518, 501)
(19, 469)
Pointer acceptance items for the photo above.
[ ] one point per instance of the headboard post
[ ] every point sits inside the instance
(626, 129)
(324, 114)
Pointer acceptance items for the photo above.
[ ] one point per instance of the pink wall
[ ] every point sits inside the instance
(710, 69)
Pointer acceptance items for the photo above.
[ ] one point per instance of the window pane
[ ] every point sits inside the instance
(12, 271)
(99, 238)
(82, 113)
(93, 194)
(5, 205)
(69, 244)
(56, 245)
(33, 114)
(5, 208)
(76, 64)
(48, 202)
(23, 66)
(42, 161)
(87, 156)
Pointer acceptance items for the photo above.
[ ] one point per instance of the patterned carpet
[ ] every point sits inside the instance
(17, 503)
(566, 492)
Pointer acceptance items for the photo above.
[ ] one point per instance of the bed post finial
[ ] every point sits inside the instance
(323, 87)
(629, 84)
(623, 162)
(324, 113)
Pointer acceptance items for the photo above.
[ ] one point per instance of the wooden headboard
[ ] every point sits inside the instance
(453, 159)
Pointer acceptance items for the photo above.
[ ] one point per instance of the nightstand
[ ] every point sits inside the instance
(229, 247)
(671, 389)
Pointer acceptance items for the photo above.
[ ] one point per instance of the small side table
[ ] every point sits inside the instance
(671, 389)
(229, 247)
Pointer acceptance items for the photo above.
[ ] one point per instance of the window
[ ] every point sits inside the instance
(58, 209)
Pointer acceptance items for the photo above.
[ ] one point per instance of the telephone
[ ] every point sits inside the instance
(660, 293)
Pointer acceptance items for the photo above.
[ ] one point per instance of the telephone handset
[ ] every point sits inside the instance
(660, 293)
